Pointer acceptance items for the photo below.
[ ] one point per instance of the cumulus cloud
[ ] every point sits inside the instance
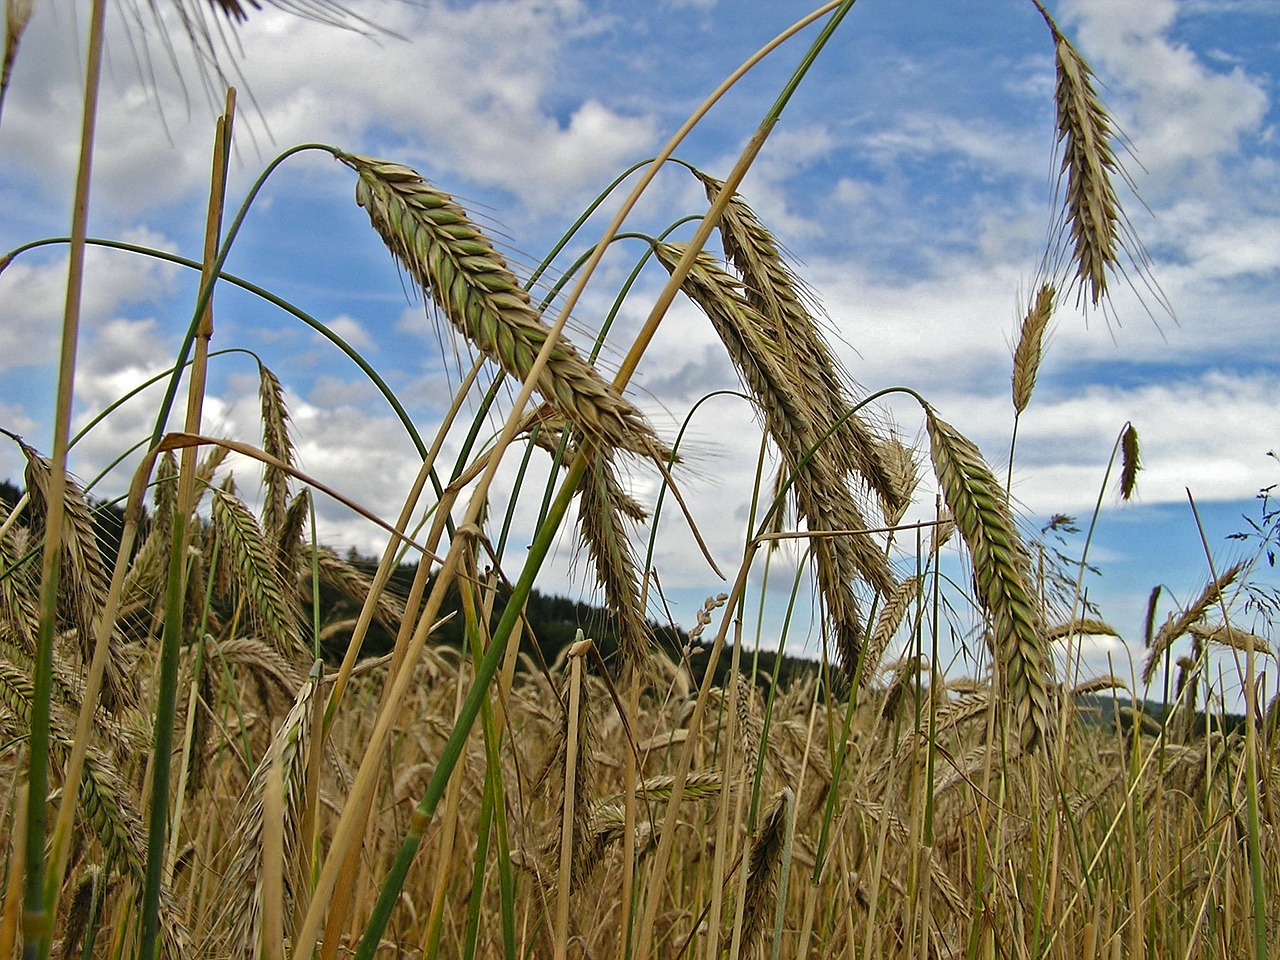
(1178, 112)
(464, 90)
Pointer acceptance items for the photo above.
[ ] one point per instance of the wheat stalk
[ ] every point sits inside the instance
(104, 799)
(1002, 576)
(471, 284)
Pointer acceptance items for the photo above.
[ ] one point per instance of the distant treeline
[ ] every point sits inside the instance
(553, 621)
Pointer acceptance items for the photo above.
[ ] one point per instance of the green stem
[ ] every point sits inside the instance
(365, 368)
(485, 669)
(36, 921)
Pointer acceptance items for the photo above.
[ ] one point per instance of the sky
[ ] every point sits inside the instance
(911, 179)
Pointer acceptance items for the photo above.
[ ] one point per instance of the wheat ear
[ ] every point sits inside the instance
(604, 509)
(1175, 627)
(1130, 462)
(276, 442)
(84, 576)
(1092, 216)
(1001, 571)
(471, 284)
(239, 923)
(895, 608)
(781, 299)
(762, 866)
(247, 558)
(1030, 348)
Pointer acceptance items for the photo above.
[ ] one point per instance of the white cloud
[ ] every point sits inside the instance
(352, 331)
(33, 291)
(467, 90)
(1177, 111)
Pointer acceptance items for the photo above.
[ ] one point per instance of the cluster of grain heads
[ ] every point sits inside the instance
(788, 318)
(844, 553)
(1002, 577)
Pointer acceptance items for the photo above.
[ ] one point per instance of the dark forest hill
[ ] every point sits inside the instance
(553, 621)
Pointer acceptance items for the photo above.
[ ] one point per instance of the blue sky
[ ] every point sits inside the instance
(911, 178)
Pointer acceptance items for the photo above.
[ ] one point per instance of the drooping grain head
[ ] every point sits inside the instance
(1130, 462)
(791, 319)
(1001, 572)
(1092, 219)
(456, 265)
(821, 494)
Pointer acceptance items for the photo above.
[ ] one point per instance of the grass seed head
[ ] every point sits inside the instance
(471, 284)
(1001, 572)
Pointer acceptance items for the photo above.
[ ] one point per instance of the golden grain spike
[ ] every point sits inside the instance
(470, 282)
(1029, 351)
